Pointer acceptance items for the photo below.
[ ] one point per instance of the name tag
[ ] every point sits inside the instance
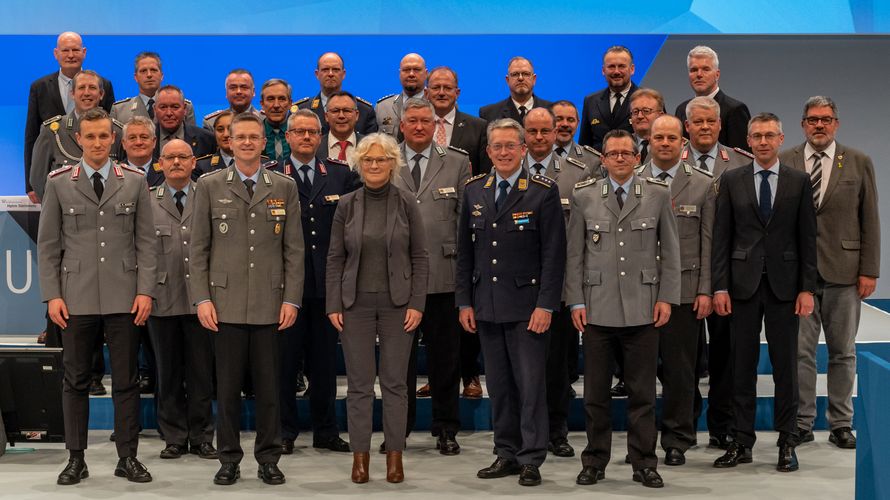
(332, 197)
(447, 190)
(688, 209)
(277, 212)
(565, 201)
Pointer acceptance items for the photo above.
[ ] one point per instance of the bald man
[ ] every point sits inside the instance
(330, 72)
(412, 76)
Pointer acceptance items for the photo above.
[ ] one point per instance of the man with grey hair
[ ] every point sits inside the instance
(275, 99)
(704, 78)
(412, 76)
(170, 110)
(848, 246)
(149, 76)
(521, 80)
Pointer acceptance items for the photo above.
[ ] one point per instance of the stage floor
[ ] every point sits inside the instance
(825, 472)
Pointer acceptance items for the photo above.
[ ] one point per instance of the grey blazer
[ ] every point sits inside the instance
(173, 232)
(407, 262)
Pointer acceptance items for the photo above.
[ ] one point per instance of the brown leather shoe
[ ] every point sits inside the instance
(394, 471)
(360, 467)
(472, 388)
(424, 392)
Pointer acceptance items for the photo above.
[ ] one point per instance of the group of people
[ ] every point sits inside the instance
(252, 244)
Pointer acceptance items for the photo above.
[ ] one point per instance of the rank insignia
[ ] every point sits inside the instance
(489, 182)
(564, 201)
(723, 155)
(523, 184)
(223, 227)
(156, 167)
(315, 103)
(595, 121)
(277, 228)
(387, 120)
(476, 213)
(214, 161)
(477, 206)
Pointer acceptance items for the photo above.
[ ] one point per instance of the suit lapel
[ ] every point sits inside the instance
(112, 185)
(836, 173)
(680, 182)
(433, 166)
(781, 187)
(189, 204)
(54, 95)
(748, 186)
(237, 187)
(631, 202)
(169, 204)
(514, 195)
(405, 174)
(457, 129)
(318, 182)
(261, 190)
(605, 110)
(611, 201)
(391, 213)
(85, 186)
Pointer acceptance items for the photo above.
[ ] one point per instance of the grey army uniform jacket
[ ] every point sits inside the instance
(727, 158)
(172, 234)
(566, 172)
(438, 199)
(694, 199)
(95, 254)
(389, 113)
(246, 253)
(613, 254)
(125, 109)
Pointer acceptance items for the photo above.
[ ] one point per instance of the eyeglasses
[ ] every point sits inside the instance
(641, 111)
(305, 131)
(769, 136)
(523, 74)
(815, 120)
(368, 161)
(614, 155)
(510, 146)
(181, 157)
(245, 138)
(337, 111)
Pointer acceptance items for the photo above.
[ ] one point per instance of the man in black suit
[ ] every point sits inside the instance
(764, 271)
(521, 79)
(50, 95)
(330, 72)
(609, 108)
(704, 77)
(170, 112)
(453, 127)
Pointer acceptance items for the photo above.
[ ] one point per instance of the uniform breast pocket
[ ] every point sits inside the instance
(598, 235)
(643, 231)
(164, 233)
(446, 201)
(275, 219)
(523, 224)
(477, 228)
(72, 217)
(126, 213)
(688, 224)
(224, 221)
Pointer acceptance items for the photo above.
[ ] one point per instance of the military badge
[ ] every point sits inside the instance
(523, 184)
(688, 209)
(54, 126)
(277, 228)
(595, 121)
(277, 212)
(315, 103)
(387, 120)
(595, 238)
(224, 201)
(476, 213)
(477, 206)
(275, 203)
(223, 227)
(332, 197)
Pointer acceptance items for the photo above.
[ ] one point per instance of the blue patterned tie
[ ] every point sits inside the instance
(766, 194)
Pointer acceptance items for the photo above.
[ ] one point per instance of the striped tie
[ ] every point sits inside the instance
(816, 176)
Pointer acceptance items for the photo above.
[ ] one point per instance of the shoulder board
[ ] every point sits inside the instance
(301, 101)
(653, 180)
(131, 169)
(60, 170)
(264, 158)
(53, 119)
(575, 162)
(706, 172)
(199, 158)
(543, 180)
(386, 97)
(476, 178)
(269, 163)
(187, 101)
(211, 115)
(592, 150)
(275, 172)
(119, 124)
(205, 174)
(743, 152)
(459, 150)
(335, 161)
(121, 101)
(588, 182)
(638, 169)
(357, 98)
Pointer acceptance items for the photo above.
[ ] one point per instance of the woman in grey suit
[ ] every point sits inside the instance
(376, 289)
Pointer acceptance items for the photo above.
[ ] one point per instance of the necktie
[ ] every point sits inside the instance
(644, 150)
(502, 194)
(248, 183)
(766, 194)
(440, 131)
(179, 195)
(415, 171)
(306, 182)
(150, 106)
(619, 194)
(522, 111)
(343, 146)
(665, 177)
(98, 187)
(537, 168)
(69, 97)
(561, 151)
(617, 105)
(816, 177)
(279, 146)
(702, 163)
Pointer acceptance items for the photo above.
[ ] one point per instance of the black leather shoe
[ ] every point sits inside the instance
(270, 474)
(301, 382)
(146, 385)
(649, 477)
(802, 436)
(618, 390)
(204, 450)
(334, 444)
(227, 474)
(721, 441)
(529, 475)
(500, 468)
(843, 437)
(97, 389)
(73, 472)
(673, 456)
(173, 451)
(787, 459)
(589, 475)
(287, 446)
(735, 454)
(447, 444)
(561, 448)
(133, 470)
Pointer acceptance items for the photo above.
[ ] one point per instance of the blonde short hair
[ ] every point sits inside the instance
(390, 150)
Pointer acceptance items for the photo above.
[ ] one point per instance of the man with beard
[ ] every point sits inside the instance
(609, 109)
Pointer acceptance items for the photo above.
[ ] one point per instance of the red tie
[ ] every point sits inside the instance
(343, 145)
(440, 131)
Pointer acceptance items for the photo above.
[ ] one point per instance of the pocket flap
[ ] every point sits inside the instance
(70, 266)
(74, 210)
(593, 277)
(125, 209)
(643, 223)
(444, 193)
(601, 226)
(129, 264)
(218, 279)
(223, 213)
(449, 249)
(162, 277)
(527, 281)
(163, 230)
(650, 276)
(851, 244)
(789, 256)
(690, 264)
(739, 255)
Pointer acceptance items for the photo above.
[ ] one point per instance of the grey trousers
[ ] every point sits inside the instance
(373, 315)
(837, 311)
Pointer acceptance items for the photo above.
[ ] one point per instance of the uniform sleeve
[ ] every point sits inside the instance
(420, 262)
(293, 248)
(722, 236)
(49, 246)
(553, 250)
(575, 241)
(146, 243)
(706, 237)
(336, 262)
(463, 291)
(870, 224)
(32, 131)
(806, 237)
(668, 237)
(199, 254)
(41, 159)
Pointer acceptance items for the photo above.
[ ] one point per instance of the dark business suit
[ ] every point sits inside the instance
(469, 134)
(597, 119)
(764, 264)
(45, 102)
(367, 118)
(506, 109)
(734, 116)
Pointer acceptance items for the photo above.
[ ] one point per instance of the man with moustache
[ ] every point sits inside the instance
(275, 99)
(170, 112)
(330, 72)
(148, 76)
(340, 139)
(412, 76)
(240, 92)
(566, 124)
(521, 80)
(609, 108)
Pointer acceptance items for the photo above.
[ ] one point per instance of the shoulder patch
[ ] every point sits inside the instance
(199, 158)
(743, 152)
(575, 162)
(459, 150)
(357, 98)
(703, 171)
(301, 101)
(385, 98)
(128, 168)
(588, 182)
(60, 170)
(209, 116)
(53, 119)
(543, 180)
(476, 178)
(121, 101)
(592, 150)
(653, 180)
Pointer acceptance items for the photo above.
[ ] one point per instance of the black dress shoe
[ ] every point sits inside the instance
(649, 477)
(673, 456)
(802, 436)
(721, 441)
(561, 448)
(133, 470)
(301, 382)
(787, 459)
(501, 467)
(334, 444)
(270, 474)
(843, 437)
(287, 446)
(589, 475)
(618, 390)
(447, 444)
(146, 385)
(73, 472)
(173, 451)
(529, 475)
(204, 450)
(227, 474)
(735, 454)
(97, 389)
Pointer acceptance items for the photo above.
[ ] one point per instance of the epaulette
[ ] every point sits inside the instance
(357, 98)
(121, 101)
(385, 98)
(205, 174)
(703, 171)
(131, 169)
(653, 180)
(119, 124)
(269, 164)
(592, 150)
(210, 116)
(301, 101)
(588, 182)
(743, 152)
(203, 157)
(543, 180)
(187, 101)
(336, 161)
(459, 150)
(281, 174)
(60, 170)
(575, 162)
(476, 178)
(638, 169)
(53, 119)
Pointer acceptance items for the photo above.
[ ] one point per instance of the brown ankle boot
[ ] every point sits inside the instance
(394, 471)
(360, 467)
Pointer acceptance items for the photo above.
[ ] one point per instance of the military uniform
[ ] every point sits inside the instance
(125, 109)
(247, 258)
(389, 113)
(97, 255)
(181, 345)
(591, 158)
(511, 261)
(367, 119)
(622, 261)
(57, 146)
(438, 198)
(209, 118)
